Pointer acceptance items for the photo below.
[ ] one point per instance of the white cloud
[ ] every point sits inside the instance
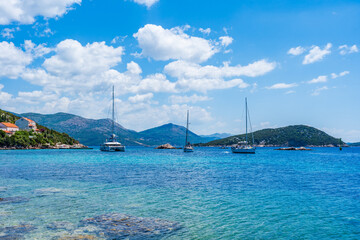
(9, 32)
(72, 58)
(13, 60)
(176, 99)
(345, 49)
(118, 39)
(141, 98)
(282, 86)
(296, 51)
(4, 96)
(290, 92)
(206, 84)
(317, 54)
(317, 91)
(192, 76)
(226, 40)
(36, 51)
(344, 73)
(164, 44)
(154, 83)
(147, 3)
(320, 79)
(206, 31)
(25, 11)
(183, 69)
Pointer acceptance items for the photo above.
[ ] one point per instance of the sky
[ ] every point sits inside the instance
(297, 62)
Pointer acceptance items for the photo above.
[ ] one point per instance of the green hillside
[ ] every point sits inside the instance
(25, 139)
(292, 136)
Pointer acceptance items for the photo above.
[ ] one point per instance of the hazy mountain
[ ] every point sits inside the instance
(294, 136)
(94, 132)
(87, 131)
(170, 133)
(217, 135)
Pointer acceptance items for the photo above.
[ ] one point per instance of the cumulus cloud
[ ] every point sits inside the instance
(344, 73)
(4, 96)
(282, 86)
(206, 31)
(192, 76)
(317, 91)
(25, 11)
(183, 69)
(320, 79)
(141, 97)
(13, 60)
(176, 99)
(345, 49)
(72, 58)
(226, 40)
(165, 44)
(296, 51)
(36, 50)
(9, 32)
(154, 83)
(317, 54)
(147, 3)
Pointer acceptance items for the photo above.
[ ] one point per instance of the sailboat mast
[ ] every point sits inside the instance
(246, 120)
(187, 128)
(113, 111)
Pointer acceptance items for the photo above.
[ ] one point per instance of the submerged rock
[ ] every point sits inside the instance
(15, 232)
(166, 146)
(60, 225)
(13, 200)
(294, 149)
(120, 226)
(79, 237)
(48, 191)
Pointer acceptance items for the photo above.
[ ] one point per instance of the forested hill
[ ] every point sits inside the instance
(29, 139)
(292, 136)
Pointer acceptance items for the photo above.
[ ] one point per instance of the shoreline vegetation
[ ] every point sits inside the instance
(41, 138)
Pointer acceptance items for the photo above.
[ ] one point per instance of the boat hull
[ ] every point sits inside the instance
(188, 149)
(112, 148)
(243, 150)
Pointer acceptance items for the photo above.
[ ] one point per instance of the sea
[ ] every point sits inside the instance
(168, 194)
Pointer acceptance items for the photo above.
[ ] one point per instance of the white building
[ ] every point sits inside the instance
(8, 127)
(26, 124)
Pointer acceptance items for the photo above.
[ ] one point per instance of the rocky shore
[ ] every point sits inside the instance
(48, 146)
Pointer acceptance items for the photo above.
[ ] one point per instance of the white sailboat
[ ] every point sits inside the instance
(245, 147)
(187, 147)
(111, 145)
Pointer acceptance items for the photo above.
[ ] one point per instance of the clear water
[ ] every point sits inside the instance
(211, 192)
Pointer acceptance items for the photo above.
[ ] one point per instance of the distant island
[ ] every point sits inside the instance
(24, 133)
(357, 144)
(290, 136)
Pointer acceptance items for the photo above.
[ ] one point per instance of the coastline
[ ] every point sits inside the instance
(57, 146)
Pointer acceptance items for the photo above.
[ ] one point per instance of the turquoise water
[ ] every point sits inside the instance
(211, 193)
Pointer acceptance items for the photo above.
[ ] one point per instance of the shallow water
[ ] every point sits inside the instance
(211, 193)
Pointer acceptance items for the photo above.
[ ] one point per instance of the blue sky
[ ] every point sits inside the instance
(296, 61)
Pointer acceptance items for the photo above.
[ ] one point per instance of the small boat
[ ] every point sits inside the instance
(111, 144)
(245, 147)
(340, 147)
(187, 147)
